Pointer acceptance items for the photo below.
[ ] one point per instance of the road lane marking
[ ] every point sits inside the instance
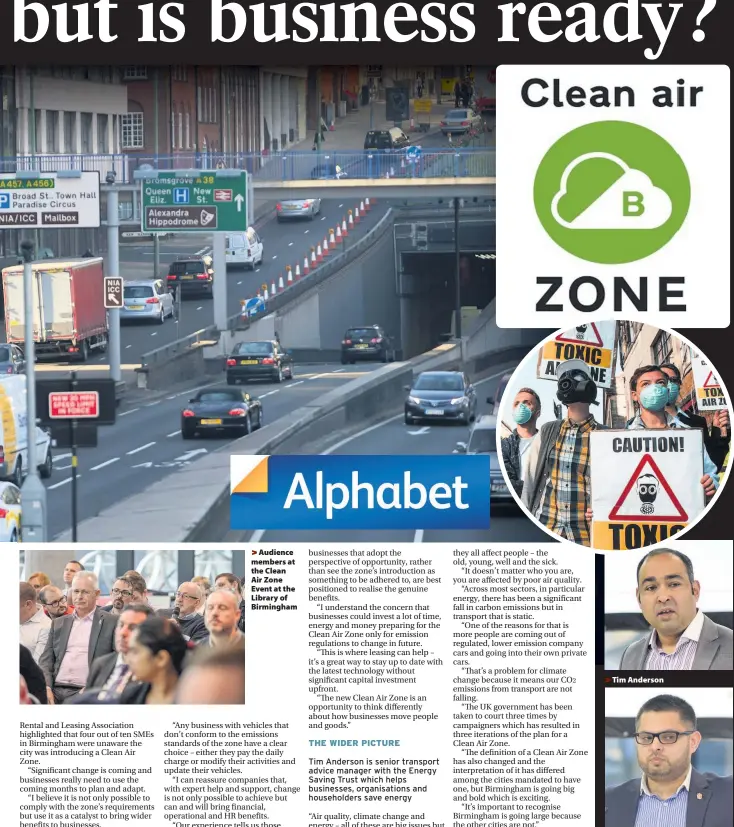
(127, 347)
(175, 433)
(293, 384)
(57, 457)
(341, 205)
(142, 448)
(132, 410)
(153, 404)
(63, 482)
(339, 370)
(424, 430)
(290, 243)
(305, 232)
(239, 282)
(274, 257)
(153, 334)
(317, 376)
(62, 467)
(202, 251)
(418, 537)
(199, 307)
(269, 393)
(105, 464)
(257, 535)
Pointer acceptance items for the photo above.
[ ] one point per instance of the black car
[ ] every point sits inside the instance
(192, 274)
(220, 409)
(441, 394)
(259, 360)
(11, 359)
(367, 343)
(390, 140)
(328, 171)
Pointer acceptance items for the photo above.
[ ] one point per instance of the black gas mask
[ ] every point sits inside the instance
(576, 386)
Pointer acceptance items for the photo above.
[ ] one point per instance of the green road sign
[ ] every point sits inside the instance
(612, 192)
(190, 201)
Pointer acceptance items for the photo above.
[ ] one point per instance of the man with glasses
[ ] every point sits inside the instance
(185, 612)
(34, 625)
(682, 636)
(122, 595)
(76, 640)
(671, 793)
(54, 602)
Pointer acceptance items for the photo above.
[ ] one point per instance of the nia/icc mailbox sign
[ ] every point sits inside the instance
(186, 201)
(49, 199)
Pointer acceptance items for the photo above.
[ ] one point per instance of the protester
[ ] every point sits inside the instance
(682, 637)
(34, 624)
(670, 791)
(717, 439)
(649, 392)
(526, 409)
(557, 489)
(155, 656)
(216, 675)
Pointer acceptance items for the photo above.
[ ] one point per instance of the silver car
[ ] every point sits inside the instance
(459, 121)
(298, 208)
(146, 301)
(483, 440)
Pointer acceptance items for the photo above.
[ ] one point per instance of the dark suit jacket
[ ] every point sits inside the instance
(101, 642)
(711, 809)
(101, 669)
(713, 653)
(716, 445)
(33, 675)
(192, 625)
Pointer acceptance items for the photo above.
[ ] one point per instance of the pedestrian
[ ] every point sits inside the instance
(557, 486)
(525, 411)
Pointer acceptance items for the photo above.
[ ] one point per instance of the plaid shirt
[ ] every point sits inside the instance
(567, 493)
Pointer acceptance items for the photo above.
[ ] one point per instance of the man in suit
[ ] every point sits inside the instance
(682, 637)
(670, 791)
(185, 612)
(76, 640)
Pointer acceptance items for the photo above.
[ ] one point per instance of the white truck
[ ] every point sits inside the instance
(14, 433)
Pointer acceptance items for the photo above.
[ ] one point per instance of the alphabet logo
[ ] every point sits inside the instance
(612, 192)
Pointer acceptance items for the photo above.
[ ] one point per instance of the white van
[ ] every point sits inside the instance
(14, 434)
(244, 249)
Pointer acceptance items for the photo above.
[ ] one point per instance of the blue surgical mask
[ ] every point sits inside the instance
(654, 397)
(522, 414)
(673, 391)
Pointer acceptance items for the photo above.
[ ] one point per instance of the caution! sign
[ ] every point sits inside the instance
(653, 490)
(593, 343)
(710, 395)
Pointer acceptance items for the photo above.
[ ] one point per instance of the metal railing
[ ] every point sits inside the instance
(279, 166)
(173, 349)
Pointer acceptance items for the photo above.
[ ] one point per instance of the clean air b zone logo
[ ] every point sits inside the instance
(612, 192)
(359, 492)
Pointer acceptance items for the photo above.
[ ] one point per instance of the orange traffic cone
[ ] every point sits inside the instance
(298, 271)
(338, 234)
(367, 204)
(361, 207)
(356, 215)
(325, 247)
(351, 220)
(314, 260)
(272, 289)
(281, 286)
(344, 227)
(319, 254)
(305, 266)
(265, 294)
(289, 274)
(332, 240)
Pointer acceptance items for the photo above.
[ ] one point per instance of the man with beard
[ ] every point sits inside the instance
(670, 792)
(122, 595)
(682, 636)
(54, 602)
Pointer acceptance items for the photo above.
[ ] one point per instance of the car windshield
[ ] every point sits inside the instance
(377, 140)
(439, 382)
(458, 115)
(220, 396)
(187, 268)
(254, 348)
(4, 354)
(483, 441)
(140, 291)
(361, 333)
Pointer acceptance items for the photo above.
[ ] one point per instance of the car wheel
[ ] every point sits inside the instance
(409, 419)
(383, 358)
(47, 468)
(248, 425)
(344, 360)
(187, 433)
(259, 420)
(279, 375)
(17, 478)
(231, 380)
(162, 317)
(13, 536)
(290, 372)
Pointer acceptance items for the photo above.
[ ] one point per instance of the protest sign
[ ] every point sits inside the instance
(593, 343)
(709, 393)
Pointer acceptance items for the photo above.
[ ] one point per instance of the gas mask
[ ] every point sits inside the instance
(581, 331)
(576, 386)
(647, 491)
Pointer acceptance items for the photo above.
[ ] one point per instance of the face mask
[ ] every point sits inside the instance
(673, 391)
(522, 414)
(654, 397)
(576, 387)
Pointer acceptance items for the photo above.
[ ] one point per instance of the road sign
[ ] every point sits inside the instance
(50, 200)
(103, 389)
(412, 154)
(112, 292)
(188, 201)
(422, 106)
(73, 405)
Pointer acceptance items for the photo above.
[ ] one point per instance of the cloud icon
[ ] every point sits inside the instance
(629, 202)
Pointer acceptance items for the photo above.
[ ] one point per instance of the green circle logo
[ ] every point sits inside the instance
(611, 192)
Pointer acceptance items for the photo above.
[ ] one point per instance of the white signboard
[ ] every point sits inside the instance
(593, 343)
(710, 395)
(51, 200)
(645, 485)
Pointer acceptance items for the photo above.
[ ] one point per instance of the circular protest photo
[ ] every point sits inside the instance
(615, 435)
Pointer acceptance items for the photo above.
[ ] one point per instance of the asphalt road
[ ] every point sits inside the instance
(145, 445)
(507, 523)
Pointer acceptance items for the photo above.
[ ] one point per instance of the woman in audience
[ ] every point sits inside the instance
(155, 656)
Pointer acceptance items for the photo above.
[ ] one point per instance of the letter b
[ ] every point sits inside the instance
(240, 21)
(42, 21)
(633, 204)
(414, 486)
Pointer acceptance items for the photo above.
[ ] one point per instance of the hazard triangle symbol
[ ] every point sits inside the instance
(589, 336)
(648, 498)
(711, 381)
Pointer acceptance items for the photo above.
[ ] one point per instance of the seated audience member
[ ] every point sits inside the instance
(140, 587)
(54, 602)
(32, 674)
(216, 675)
(155, 655)
(72, 568)
(191, 623)
(34, 625)
(232, 582)
(75, 640)
(221, 616)
(38, 580)
(122, 594)
(206, 589)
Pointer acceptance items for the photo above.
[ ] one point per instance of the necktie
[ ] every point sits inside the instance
(118, 680)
